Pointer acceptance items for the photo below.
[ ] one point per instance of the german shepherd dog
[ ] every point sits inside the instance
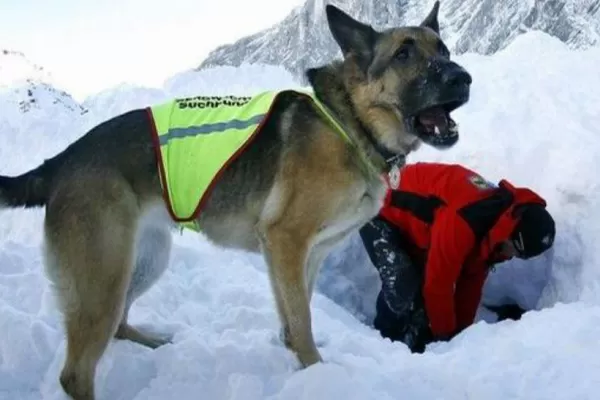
(297, 190)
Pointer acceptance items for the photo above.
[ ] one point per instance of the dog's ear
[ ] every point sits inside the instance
(431, 21)
(352, 36)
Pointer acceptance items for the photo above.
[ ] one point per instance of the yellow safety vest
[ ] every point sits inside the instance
(198, 137)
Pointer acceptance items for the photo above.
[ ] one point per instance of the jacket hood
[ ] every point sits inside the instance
(506, 223)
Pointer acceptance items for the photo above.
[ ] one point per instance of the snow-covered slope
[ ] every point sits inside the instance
(31, 113)
(15, 67)
(30, 96)
(27, 97)
(536, 127)
(120, 98)
(303, 40)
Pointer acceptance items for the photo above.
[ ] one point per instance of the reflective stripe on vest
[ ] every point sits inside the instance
(197, 138)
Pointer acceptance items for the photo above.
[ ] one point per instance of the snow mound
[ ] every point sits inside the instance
(120, 99)
(532, 119)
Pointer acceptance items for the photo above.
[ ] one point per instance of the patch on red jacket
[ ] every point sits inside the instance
(481, 183)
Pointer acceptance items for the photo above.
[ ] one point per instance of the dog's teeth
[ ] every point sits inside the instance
(437, 130)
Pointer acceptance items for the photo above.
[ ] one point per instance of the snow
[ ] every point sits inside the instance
(302, 39)
(15, 68)
(532, 119)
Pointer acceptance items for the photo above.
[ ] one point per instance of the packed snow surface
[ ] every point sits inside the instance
(533, 119)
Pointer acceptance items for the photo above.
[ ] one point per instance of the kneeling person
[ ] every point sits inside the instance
(435, 240)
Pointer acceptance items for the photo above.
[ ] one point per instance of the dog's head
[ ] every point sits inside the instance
(401, 81)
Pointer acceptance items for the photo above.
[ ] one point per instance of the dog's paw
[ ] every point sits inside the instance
(309, 359)
(156, 340)
(151, 340)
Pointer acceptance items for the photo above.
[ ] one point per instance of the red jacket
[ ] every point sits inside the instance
(454, 219)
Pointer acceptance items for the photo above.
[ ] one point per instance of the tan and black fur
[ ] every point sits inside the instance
(296, 191)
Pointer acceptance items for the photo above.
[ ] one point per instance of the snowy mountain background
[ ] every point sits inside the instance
(28, 95)
(16, 67)
(303, 39)
(537, 127)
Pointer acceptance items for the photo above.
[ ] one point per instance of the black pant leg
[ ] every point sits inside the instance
(400, 313)
(418, 333)
(400, 277)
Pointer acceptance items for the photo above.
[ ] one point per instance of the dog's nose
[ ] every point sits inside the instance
(455, 75)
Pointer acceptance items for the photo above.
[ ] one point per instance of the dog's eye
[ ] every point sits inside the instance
(403, 53)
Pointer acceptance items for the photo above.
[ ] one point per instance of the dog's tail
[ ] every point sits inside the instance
(28, 190)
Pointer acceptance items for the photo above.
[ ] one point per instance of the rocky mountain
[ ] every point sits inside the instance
(303, 40)
(15, 68)
(32, 95)
(27, 86)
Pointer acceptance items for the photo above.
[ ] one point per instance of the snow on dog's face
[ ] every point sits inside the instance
(402, 82)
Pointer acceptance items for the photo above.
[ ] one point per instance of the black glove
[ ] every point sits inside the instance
(507, 311)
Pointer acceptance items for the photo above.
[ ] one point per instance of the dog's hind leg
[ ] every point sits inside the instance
(152, 258)
(90, 233)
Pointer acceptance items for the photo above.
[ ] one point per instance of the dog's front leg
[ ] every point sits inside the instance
(285, 253)
(318, 254)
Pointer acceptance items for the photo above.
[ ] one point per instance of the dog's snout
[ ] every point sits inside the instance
(448, 73)
(455, 75)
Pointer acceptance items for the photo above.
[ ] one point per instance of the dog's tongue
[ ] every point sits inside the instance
(434, 117)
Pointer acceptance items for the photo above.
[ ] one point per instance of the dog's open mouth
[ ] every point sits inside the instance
(435, 127)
